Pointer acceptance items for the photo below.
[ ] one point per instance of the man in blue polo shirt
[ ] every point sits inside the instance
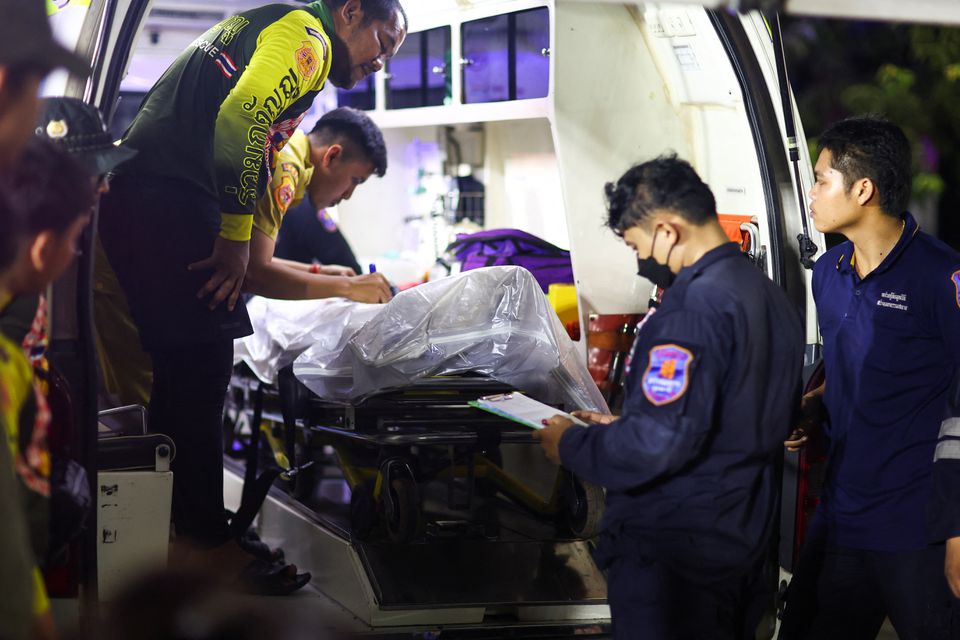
(690, 466)
(889, 309)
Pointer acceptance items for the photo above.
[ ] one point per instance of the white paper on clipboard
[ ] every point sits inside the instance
(519, 408)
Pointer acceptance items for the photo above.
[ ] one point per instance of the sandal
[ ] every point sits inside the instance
(265, 578)
(250, 542)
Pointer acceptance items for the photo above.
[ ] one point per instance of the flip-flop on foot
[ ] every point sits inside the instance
(266, 578)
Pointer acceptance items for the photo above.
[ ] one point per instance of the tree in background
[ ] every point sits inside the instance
(911, 74)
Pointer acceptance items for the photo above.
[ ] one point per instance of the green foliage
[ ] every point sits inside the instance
(927, 183)
(909, 74)
(936, 47)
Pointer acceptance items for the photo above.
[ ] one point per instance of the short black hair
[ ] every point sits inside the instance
(373, 9)
(50, 187)
(356, 132)
(872, 147)
(11, 226)
(663, 183)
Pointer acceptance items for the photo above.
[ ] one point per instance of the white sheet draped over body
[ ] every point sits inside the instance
(494, 321)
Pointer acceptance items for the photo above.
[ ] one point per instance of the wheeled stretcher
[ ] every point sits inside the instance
(383, 390)
(422, 507)
(389, 446)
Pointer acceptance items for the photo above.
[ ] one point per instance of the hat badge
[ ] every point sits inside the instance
(57, 129)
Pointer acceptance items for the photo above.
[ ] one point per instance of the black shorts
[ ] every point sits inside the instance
(151, 229)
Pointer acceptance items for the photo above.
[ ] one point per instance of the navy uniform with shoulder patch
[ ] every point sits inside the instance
(690, 466)
(891, 351)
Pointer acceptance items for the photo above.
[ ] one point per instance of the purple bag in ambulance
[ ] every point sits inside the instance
(497, 247)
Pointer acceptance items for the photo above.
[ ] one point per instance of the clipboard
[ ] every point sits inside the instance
(519, 408)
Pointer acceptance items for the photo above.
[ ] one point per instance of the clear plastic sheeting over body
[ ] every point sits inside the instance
(494, 321)
(283, 329)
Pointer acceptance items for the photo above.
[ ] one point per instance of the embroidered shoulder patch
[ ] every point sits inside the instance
(283, 195)
(956, 283)
(306, 59)
(291, 169)
(668, 374)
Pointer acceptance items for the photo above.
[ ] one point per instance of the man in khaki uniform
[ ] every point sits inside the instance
(343, 149)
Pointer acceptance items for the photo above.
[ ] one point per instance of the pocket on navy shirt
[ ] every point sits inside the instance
(896, 321)
(896, 333)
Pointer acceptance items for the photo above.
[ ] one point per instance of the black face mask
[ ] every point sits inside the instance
(658, 274)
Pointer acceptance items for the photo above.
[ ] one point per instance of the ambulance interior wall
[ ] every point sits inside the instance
(647, 91)
(383, 215)
(518, 169)
(524, 190)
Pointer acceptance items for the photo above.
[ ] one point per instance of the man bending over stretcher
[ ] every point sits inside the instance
(344, 148)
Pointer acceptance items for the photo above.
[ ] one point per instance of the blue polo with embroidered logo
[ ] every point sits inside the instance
(891, 345)
(712, 384)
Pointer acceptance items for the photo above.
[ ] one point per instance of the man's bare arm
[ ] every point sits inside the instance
(278, 279)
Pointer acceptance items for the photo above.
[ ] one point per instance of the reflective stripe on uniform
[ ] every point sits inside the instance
(950, 427)
(947, 450)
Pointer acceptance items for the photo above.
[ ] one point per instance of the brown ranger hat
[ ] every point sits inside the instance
(26, 38)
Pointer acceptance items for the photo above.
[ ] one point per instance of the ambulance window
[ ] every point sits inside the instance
(360, 97)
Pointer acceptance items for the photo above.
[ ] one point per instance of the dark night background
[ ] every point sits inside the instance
(910, 74)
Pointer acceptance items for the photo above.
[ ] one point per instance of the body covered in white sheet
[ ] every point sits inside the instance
(494, 321)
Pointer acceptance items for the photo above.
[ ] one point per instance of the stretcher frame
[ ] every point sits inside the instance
(387, 447)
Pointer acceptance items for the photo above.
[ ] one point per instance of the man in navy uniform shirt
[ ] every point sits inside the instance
(888, 301)
(712, 385)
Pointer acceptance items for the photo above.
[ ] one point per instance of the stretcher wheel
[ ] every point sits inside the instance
(402, 509)
(582, 506)
(363, 511)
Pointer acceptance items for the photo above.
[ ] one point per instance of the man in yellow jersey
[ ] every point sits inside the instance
(176, 225)
(342, 150)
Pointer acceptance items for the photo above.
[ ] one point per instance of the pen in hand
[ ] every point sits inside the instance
(372, 268)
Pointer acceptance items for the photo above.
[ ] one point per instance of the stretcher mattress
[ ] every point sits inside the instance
(494, 322)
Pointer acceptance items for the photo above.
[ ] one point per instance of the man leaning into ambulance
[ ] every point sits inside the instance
(176, 224)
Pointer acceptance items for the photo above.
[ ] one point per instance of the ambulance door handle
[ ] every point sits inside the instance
(754, 252)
